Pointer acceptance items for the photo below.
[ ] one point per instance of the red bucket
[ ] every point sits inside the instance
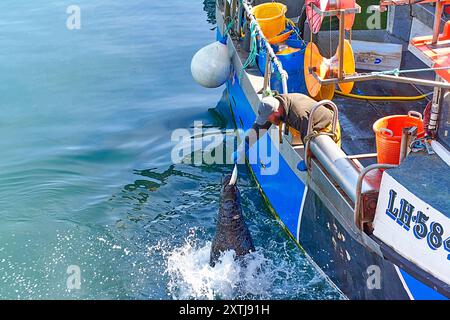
(388, 135)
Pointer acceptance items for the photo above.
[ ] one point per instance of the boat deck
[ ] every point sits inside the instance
(330, 203)
(423, 175)
(357, 116)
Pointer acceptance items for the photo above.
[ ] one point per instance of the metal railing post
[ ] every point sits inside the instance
(357, 213)
(335, 110)
(267, 73)
(270, 52)
(437, 21)
(333, 107)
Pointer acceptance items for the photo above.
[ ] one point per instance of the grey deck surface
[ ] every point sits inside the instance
(358, 116)
(427, 177)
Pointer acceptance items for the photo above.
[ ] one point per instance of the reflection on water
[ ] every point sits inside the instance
(210, 8)
(156, 179)
(86, 177)
(260, 275)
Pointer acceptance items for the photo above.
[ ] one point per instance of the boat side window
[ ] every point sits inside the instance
(444, 122)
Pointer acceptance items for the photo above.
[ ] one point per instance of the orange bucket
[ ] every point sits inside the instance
(271, 18)
(388, 135)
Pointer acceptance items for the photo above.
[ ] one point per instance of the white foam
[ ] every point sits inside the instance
(191, 276)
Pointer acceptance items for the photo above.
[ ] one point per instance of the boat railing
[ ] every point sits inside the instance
(357, 189)
(361, 216)
(271, 56)
(310, 132)
(346, 171)
(329, 104)
(383, 76)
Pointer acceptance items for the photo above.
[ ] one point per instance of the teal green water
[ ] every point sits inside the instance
(86, 177)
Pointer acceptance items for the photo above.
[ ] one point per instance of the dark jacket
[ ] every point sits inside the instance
(297, 109)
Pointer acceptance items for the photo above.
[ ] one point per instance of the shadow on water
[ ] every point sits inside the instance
(87, 177)
(178, 220)
(177, 208)
(210, 8)
(157, 179)
(156, 241)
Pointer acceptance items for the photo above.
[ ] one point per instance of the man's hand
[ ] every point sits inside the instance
(235, 157)
(239, 155)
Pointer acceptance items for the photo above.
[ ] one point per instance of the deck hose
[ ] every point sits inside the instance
(382, 98)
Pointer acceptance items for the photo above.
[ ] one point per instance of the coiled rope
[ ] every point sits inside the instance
(251, 59)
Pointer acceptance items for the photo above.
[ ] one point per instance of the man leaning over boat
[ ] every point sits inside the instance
(294, 110)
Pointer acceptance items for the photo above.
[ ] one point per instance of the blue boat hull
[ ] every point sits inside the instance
(348, 264)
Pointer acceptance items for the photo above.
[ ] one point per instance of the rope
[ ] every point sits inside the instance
(227, 29)
(268, 92)
(307, 140)
(418, 145)
(383, 98)
(251, 59)
(314, 134)
(397, 71)
(229, 26)
(294, 27)
(225, 33)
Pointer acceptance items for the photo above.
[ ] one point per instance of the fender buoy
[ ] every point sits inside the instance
(211, 65)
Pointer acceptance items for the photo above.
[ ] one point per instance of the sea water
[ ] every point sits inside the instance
(91, 205)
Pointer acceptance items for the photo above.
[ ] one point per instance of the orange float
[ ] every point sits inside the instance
(348, 66)
(349, 19)
(315, 66)
(314, 63)
(315, 19)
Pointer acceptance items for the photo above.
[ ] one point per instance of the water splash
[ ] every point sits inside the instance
(256, 276)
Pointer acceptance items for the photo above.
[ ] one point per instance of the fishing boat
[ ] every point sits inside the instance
(374, 213)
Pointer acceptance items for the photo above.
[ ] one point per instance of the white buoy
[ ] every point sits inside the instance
(210, 66)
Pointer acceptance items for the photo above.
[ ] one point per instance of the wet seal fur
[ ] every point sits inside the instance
(231, 231)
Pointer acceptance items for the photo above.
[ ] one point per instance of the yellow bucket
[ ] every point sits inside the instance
(271, 18)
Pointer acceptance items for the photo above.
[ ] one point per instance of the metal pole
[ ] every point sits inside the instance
(239, 22)
(408, 135)
(404, 144)
(363, 156)
(233, 7)
(341, 45)
(435, 107)
(283, 73)
(359, 184)
(267, 73)
(328, 104)
(437, 21)
(226, 15)
(284, 82)
(366, 77)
